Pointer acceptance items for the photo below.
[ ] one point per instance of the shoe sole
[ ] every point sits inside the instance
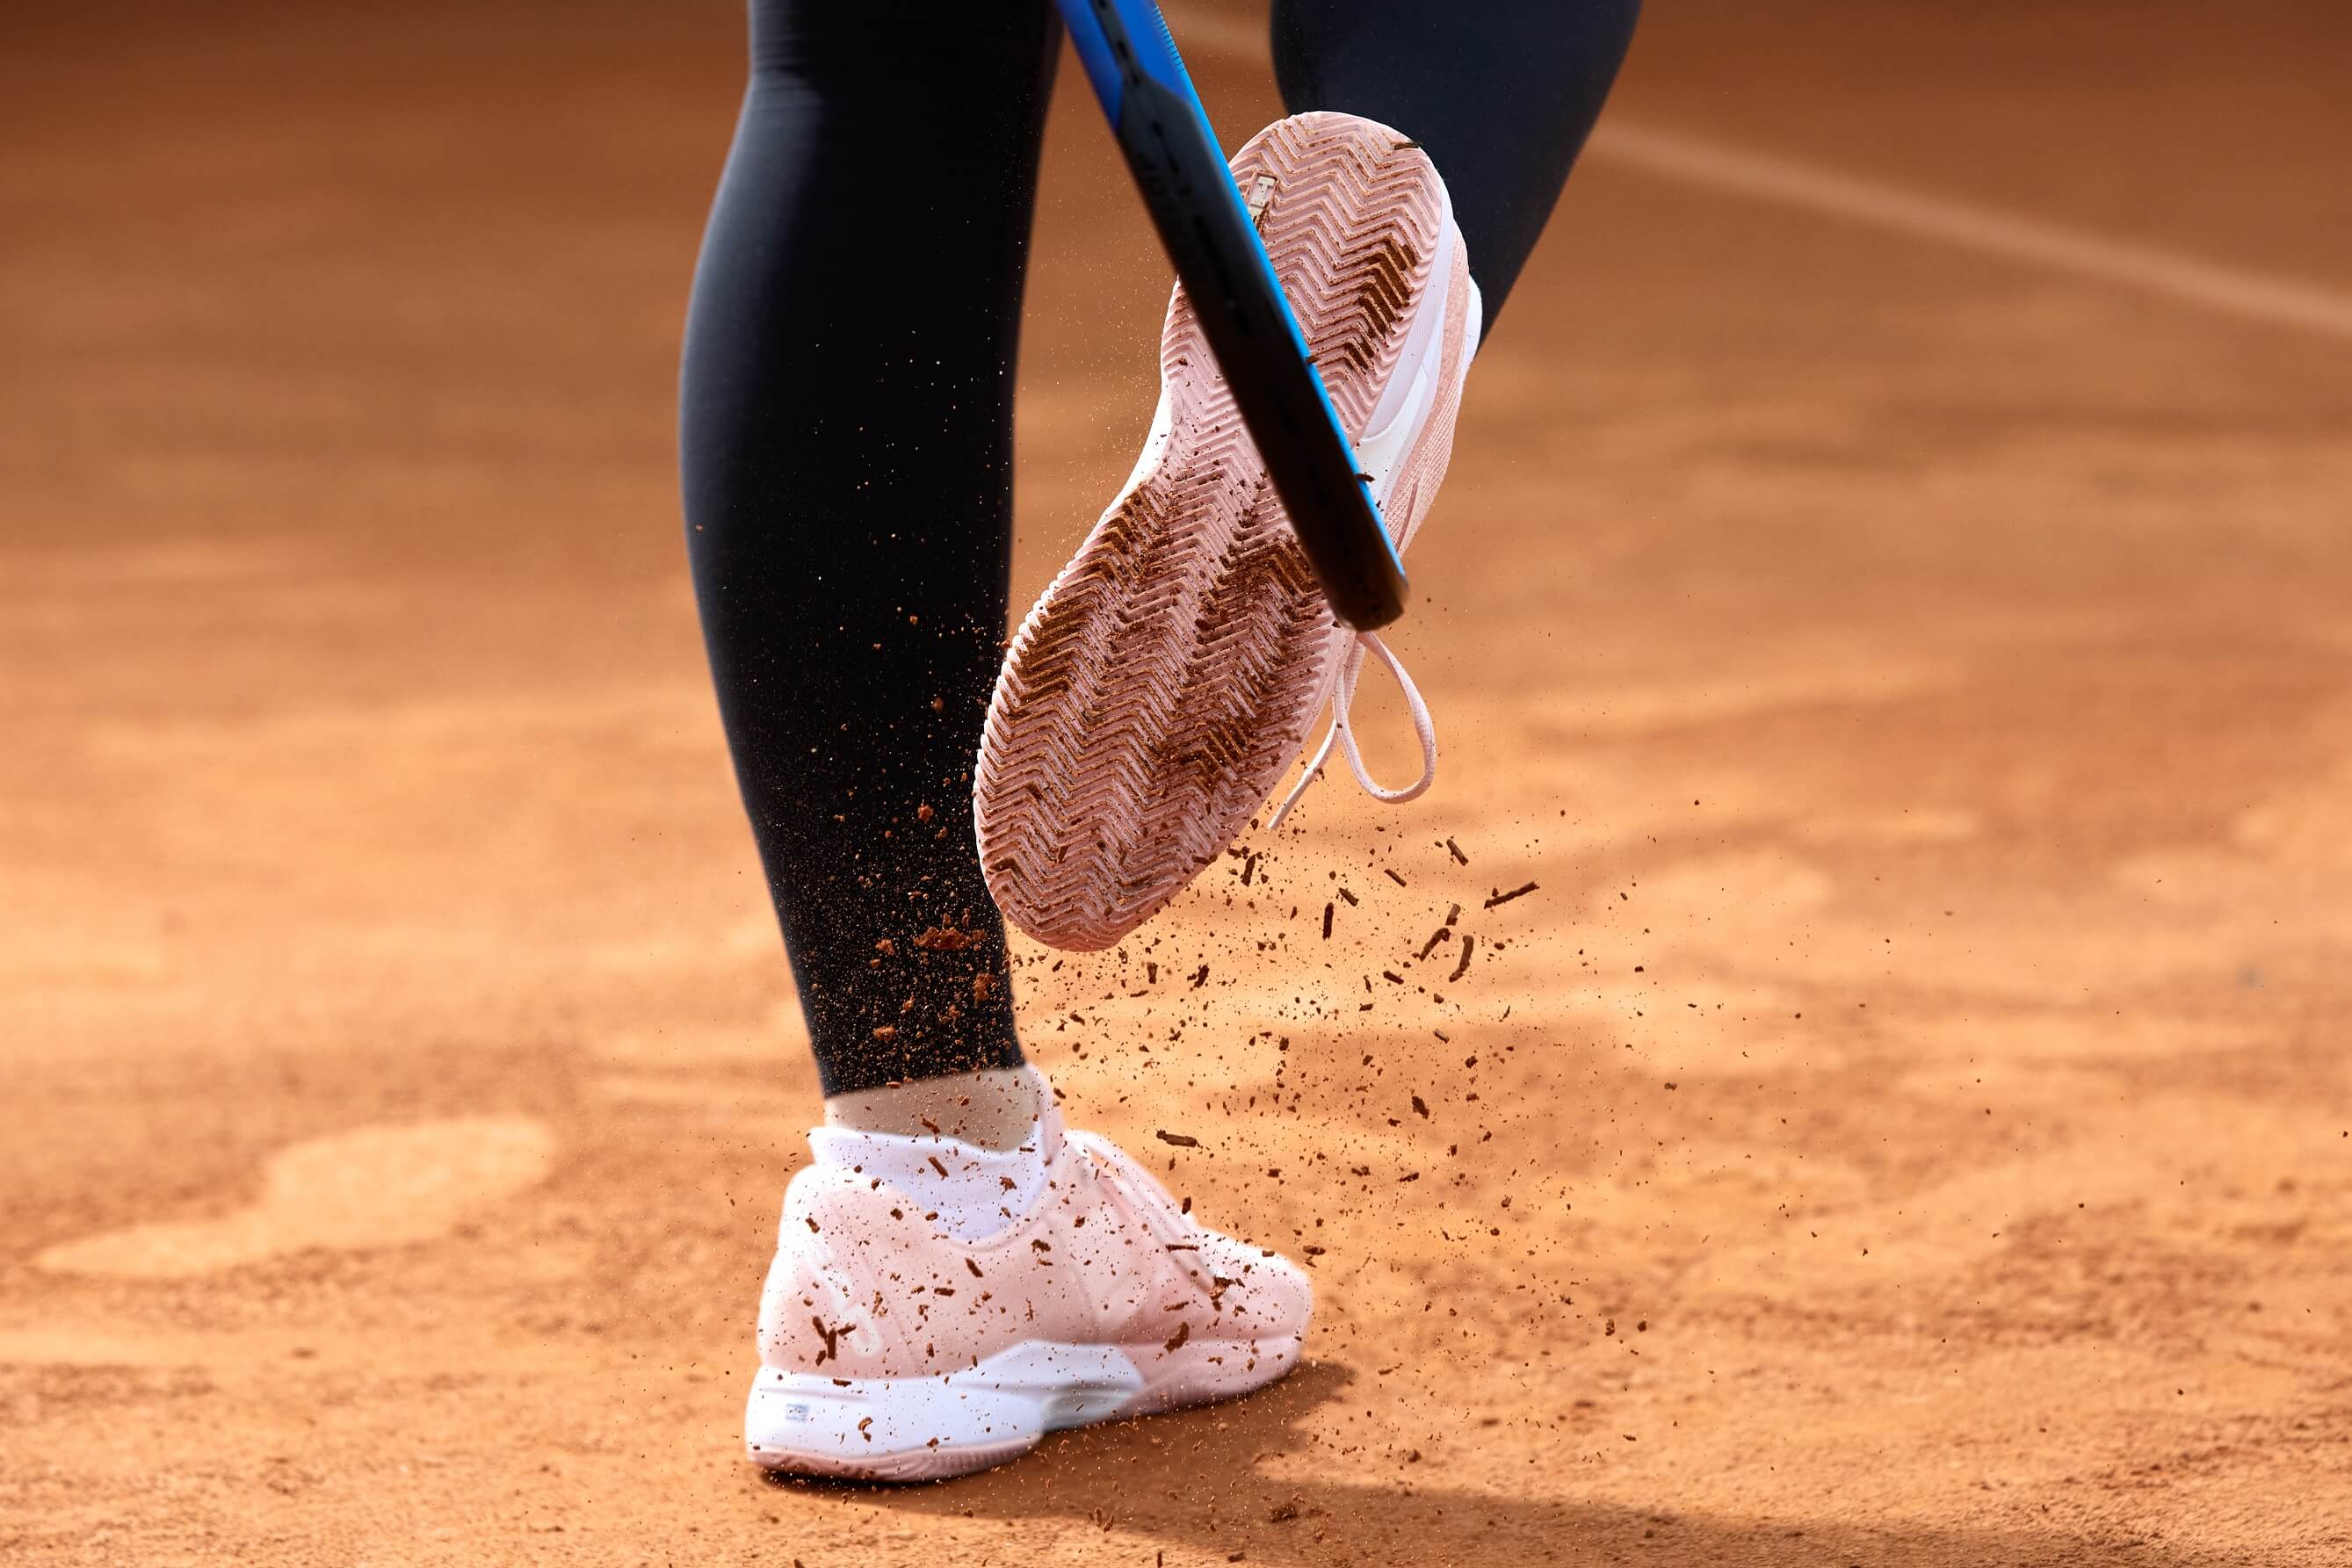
(1164, 682)
(926, 1428)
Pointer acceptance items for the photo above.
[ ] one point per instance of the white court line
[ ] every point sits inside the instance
(1965, 225)
(2012, 237)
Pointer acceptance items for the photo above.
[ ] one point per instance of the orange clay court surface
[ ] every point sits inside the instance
(1892, 601)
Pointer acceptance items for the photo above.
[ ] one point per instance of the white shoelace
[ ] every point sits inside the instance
(1359, 642)
(1342, 699)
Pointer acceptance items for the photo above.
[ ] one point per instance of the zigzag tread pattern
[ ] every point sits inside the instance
(1164, 682)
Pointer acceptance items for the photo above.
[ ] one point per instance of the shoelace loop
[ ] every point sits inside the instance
(1342, 700)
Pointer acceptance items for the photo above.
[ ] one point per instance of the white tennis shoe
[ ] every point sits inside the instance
(891, 1351)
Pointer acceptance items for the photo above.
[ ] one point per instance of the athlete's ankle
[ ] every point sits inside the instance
(919, 1139)
(992, 1109)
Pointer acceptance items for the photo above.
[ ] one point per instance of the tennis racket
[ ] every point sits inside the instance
(1173, 151)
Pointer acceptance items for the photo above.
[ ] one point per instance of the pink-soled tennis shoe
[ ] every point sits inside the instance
(1165, 681)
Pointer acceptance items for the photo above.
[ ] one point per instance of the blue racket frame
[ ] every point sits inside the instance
(1173, 151)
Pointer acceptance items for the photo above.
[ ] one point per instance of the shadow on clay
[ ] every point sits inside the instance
(1192, 1479)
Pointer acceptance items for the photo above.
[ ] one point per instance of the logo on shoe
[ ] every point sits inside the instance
(1261, 196)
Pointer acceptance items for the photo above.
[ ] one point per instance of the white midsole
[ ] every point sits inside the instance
(1404, 402)
(1013, 1397)
(844, 1424)
(1422, 371)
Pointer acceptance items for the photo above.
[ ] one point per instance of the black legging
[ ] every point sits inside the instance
(846, 431)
